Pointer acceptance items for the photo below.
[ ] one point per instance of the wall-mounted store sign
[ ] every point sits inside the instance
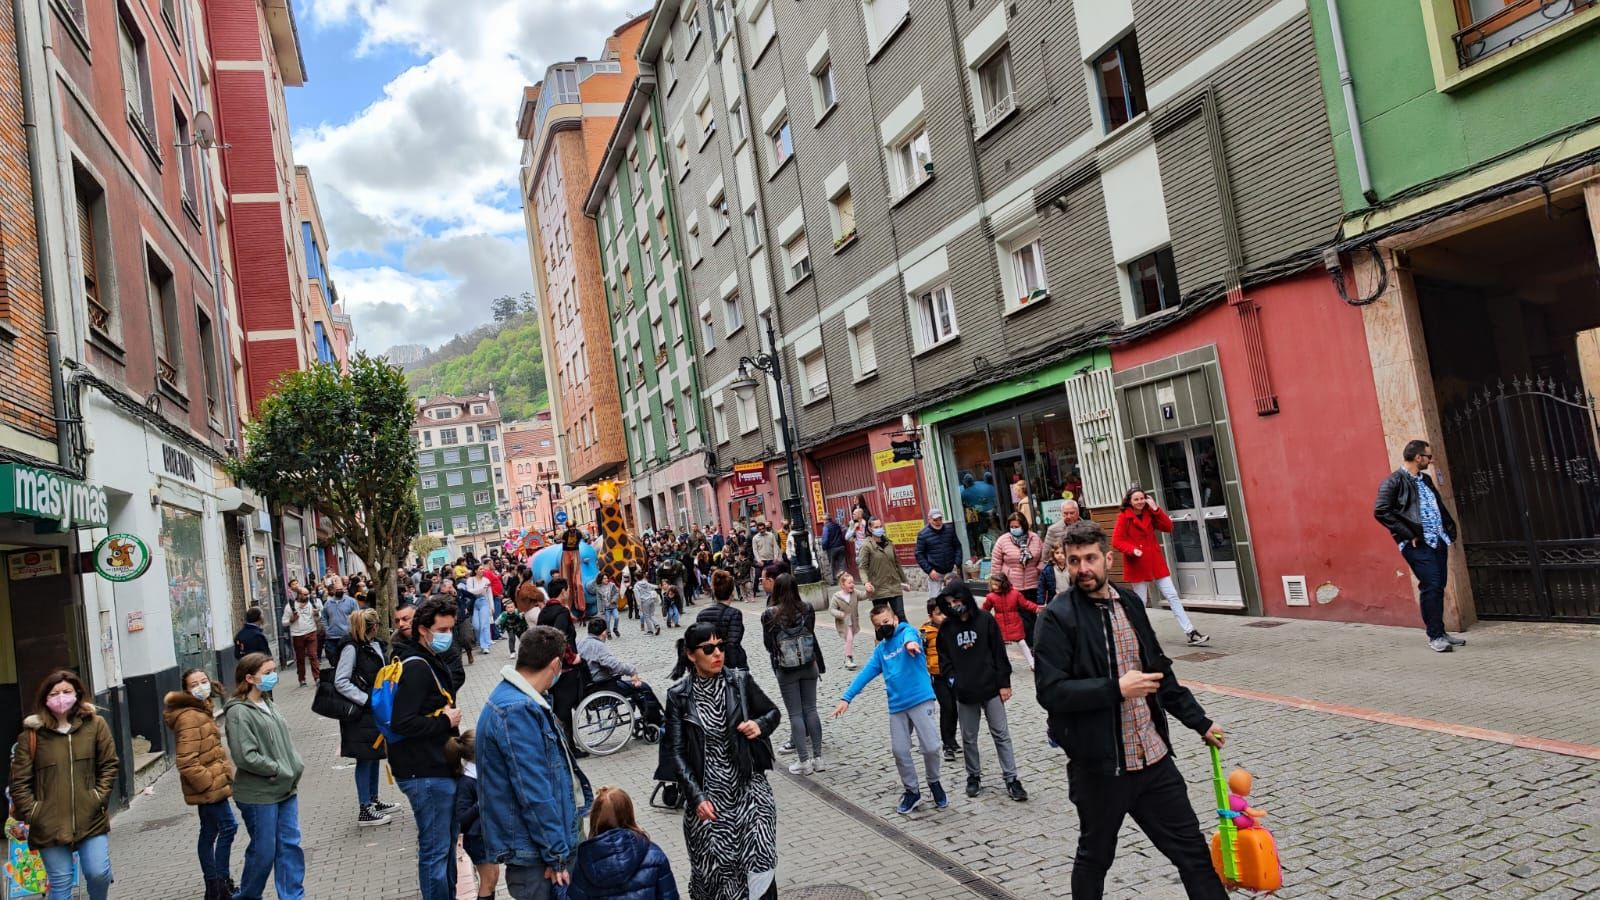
(749, 473)
(33, 563)
(38, 494)
(177, 463)
(121, 557)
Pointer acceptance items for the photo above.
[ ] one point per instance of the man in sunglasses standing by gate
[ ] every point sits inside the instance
(1409, 506)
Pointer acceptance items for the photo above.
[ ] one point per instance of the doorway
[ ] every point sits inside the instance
(1200, 549)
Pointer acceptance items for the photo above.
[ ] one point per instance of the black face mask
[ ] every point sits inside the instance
(885, 632)
(958, 609)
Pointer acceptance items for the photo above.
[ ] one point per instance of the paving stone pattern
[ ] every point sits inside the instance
(1359, 809)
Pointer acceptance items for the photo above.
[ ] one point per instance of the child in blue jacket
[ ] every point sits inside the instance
(619, 862)
(913, 707)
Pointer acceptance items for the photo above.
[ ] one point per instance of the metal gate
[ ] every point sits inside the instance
(1525, 459)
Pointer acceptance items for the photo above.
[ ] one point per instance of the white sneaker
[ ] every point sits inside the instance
(801, 767)
(849, 662)
(817, 765)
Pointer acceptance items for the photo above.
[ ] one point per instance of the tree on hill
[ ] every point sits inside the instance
(341, 444)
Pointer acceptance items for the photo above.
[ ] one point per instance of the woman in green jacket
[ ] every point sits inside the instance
(61, 790)
(266, 773)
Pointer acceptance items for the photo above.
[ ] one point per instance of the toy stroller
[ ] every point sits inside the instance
(1242, 852)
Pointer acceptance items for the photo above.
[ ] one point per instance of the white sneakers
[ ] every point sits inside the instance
(801, 767)
(817, 765)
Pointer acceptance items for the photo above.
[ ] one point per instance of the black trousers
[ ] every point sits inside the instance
(947, 712)
(1158, 800)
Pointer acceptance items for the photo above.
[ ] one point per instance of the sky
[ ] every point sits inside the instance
(407, 120)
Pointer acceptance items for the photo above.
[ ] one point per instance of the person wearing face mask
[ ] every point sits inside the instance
(425, 714)
(360, 658)
(265, 783)
(336, 613)
(63, 768)
(207, 778)
(1018, 554)
(300, 617)
(881, 573)
(913, 708)
(972, 658)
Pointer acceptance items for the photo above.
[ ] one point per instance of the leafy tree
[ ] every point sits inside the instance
(341, 444)
(504, 308)
(423, 544)
(507, 357)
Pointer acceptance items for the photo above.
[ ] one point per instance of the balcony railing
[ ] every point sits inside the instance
(1516, 22)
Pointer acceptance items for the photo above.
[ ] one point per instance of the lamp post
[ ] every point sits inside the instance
(805, 571)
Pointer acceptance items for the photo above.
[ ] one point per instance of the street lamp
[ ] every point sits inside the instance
(804, 571)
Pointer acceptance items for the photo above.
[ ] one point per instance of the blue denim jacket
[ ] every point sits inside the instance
(534, 795)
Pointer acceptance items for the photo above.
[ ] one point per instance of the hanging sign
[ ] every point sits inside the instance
(33, 563)
(39, 494)
(749, 473)
(121, 557)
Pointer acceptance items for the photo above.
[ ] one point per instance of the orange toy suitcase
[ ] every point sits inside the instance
(1243, 857)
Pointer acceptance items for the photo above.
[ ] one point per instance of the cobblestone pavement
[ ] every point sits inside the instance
(1359, 808)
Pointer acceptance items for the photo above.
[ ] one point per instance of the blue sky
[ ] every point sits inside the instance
(407, 122)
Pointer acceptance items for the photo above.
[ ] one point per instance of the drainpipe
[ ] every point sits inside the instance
(1347, 85)
(52, 335)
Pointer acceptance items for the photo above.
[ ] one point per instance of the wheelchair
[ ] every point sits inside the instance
(610, 715)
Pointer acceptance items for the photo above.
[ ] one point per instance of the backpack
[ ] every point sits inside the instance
(384, 688)
(796, 646)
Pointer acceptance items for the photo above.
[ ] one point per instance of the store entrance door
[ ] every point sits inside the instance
(1200, 549)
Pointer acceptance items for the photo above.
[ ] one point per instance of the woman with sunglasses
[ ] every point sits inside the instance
(718, 749)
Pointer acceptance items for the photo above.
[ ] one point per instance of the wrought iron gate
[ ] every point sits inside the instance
(1525, 462)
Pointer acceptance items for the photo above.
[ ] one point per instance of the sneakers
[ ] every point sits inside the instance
(817, 765)
(909, 801)
(973, 784)
(385, 808)
(940, 801)
(949, 753)
(787, 747)
(1440, 645)
(1015, 791)
(801, 767)
(370, 817)
(1455, 641)
(849, 662)
(1196, 639)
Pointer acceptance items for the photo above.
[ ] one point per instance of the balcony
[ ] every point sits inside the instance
(1513, 23)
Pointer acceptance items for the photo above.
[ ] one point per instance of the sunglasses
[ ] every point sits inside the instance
(709, 649)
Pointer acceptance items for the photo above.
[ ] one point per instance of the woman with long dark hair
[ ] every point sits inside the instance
(205, 776)
(726, 618)
(62, 771)
(360, 658)
(1142, 562)
(789, 631)
(265, 783)
(718, 749)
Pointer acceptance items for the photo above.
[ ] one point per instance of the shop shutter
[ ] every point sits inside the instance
(1098, 430)
(845, 475)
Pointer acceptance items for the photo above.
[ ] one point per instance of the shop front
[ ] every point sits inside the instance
(677, 495)
(749, 493)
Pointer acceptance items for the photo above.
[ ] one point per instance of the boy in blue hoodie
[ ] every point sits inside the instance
(898, 656)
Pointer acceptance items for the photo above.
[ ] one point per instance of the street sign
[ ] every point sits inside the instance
(561, 517)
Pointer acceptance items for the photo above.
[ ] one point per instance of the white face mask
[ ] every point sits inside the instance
(201, 691)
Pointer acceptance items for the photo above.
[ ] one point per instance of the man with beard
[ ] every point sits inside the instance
(1106, 688)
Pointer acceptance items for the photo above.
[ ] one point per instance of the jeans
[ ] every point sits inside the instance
(613, 621)
(433, 805)
(994, 709)
(672, 614)
(305, 651)
(94, 855)
(1158, 800)
(1431, 565)
(527, 883)
(947, 711)
(799, 690)
(217, 827)
(274, 848)
(1168, 593)
(367, 781)
(919, 719)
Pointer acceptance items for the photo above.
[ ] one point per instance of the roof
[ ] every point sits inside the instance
(525, 443)
(463, 404)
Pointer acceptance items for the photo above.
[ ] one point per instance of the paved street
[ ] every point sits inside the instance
(1360, 808)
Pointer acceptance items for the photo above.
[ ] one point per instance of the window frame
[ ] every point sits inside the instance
(930, 334)
(808, 365)
(1130, 71)
(780, 141)
(130, 38)
(792, 263)
(824, 89)
(1166, 272)
(903, 155)
(859, 370)
(991, 113)
(731, 324)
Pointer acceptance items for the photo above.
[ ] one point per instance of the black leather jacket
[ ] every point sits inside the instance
(1399, 510)
(683, 749)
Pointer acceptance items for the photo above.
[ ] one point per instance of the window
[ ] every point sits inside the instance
(458, 500)
(478, 409)
(695, 254)
(782, 143)
(669, 69)
(721, 21)
(913, 161)
(736, 132)
(658, 334)
(705, 118)
(1153, 280)
(669, 413)
(995, 88)
(752, 229)
(1490, 25)
(823, 94)
(430, 481)
(682, 146)
(649, 438)
(431, 504)
(1028, 280)
(732, 313)
(763, 27)
(480, 498)
(719, 420)
(208, 359)
(1121, 83)
(468, 438)
(627, 285)
(936, 315)
(163, 300)
(661, 225)
(883, 17)
(435, 526)
(488, 433)
(136, 93)
(863, 354)
(426, 460)
(647, 259)
(185, 148)
(797, 257)
(691, 21)
(814, 375)
(447, 436)
(475, 453)
(451, 457)
(708, 332)
(746, 408)
(480, 476)
(458, 524)
(719, 208)
(427, 439)
(453, 479)
(90, 200)
(843, 214)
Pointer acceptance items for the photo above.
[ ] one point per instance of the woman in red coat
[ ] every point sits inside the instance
(1142, 562)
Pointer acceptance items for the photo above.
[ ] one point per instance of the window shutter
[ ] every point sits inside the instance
(91, 265)
(1091, 399)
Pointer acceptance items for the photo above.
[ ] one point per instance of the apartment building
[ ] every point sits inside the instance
(461, 485)
(321, 296)
(653, 319)
(564, 123)
(533, 476)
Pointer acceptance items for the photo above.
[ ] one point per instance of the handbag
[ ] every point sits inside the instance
(331, 704)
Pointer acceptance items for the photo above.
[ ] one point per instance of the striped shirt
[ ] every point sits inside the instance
(1141, 743)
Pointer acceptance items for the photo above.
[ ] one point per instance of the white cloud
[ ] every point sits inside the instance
(430, 168)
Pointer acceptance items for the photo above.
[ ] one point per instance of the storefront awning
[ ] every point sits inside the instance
(57, 502)
(1053, 376)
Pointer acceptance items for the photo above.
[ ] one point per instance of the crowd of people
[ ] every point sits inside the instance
(1099, 670)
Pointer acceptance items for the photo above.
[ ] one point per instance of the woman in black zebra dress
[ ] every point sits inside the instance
(719, 751)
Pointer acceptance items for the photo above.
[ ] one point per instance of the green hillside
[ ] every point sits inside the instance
(506, 356)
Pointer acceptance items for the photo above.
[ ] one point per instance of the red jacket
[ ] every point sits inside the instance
(497, 587)
(1007, 609)
(1137, 531)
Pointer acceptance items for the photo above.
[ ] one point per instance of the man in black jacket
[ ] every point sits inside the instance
(972, 658)
(426, 716)
(251, 638)
(1106, 688)
(938, 550)
(1409, 506)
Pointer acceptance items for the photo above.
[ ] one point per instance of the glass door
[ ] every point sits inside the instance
(1200, 549)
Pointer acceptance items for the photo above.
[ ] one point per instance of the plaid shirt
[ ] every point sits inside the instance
(1141, 742)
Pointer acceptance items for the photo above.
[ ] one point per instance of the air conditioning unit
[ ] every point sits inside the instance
(1294, 591)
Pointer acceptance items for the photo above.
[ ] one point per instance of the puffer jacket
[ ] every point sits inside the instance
(1008, 609)
(1008, 557)
(683, 751)
(203, 765)
(62, 787)
(621, 865)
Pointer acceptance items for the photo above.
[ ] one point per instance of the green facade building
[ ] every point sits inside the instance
(460, 477)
